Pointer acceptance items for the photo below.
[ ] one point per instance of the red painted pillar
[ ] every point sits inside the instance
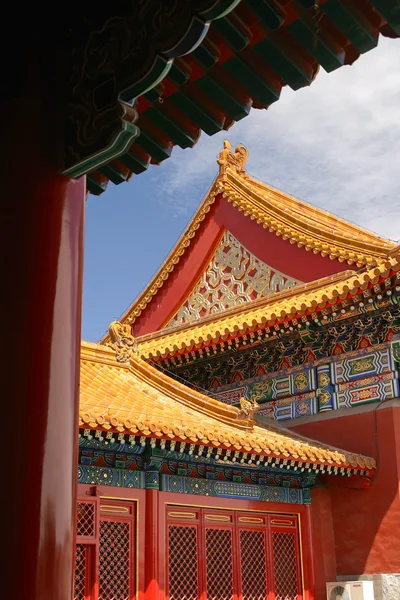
(41, 287)
(322, 540)
(152, 546)
(307, 555)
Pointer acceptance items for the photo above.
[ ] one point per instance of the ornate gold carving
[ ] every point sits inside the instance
(122, 341)
(323, 379)
(234, 161)
(247, 409)
(282, 522)
(324, 396)
(261, 389)
(301, 381)
(311, 228)
(181, 515)
(113, 509)
(233, 276)
(251, 520)
(362, 365)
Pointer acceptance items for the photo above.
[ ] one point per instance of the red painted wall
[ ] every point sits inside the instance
(365, 522)
(323, 540)
(268, 247)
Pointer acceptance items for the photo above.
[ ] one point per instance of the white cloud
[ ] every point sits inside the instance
(335, 144)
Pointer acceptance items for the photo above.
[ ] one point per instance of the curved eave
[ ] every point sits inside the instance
(286, 309)
(311, 228)
(136, 399)
(243, 63)
(307, 226)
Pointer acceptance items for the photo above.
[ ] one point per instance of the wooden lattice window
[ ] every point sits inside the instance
(114, 560)
(286, 580)
(219, 564)
(245, 556)
(81, 572)
(105, 564)
(253, 564)
(183, 562)
(86, 519)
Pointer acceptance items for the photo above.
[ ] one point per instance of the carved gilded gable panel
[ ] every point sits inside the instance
(233, 276)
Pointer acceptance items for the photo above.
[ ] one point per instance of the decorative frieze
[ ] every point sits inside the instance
(189, 485)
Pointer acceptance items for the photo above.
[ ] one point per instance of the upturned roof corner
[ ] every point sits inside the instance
(136, 398)
(299, 223)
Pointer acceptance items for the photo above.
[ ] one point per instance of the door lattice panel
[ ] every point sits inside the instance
(85, 519)
(80, 572)
(183, 559)
(253, 565)
(114, 557)
(219, 563)
(285, 566)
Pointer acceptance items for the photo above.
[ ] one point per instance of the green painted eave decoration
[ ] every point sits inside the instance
(120, 144)
(208, 100)
(220, 10)
(121, 140)
(348, 22)
(390, 11)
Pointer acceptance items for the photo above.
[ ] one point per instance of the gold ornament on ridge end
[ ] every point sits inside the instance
(233, 161)
(122, 341)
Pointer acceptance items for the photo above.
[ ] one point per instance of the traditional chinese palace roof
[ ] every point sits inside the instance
(249, 50)
(133, 398)
(280, 313)
(212, 289)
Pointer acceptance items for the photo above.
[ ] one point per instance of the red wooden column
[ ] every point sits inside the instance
(152, 548)
(41, 287)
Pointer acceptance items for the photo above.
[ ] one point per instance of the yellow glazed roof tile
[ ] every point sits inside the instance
(267, 311)
(307, 226)
(135, 398)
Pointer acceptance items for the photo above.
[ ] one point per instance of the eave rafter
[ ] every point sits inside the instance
(251, 50)
(104, 85)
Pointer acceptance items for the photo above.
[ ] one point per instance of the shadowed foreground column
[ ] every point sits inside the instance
(41, 274)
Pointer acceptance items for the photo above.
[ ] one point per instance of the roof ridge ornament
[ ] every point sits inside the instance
(247, 409)
(232, 161)
(122, 341)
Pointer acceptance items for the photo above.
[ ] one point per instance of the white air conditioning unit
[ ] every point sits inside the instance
(350, 590)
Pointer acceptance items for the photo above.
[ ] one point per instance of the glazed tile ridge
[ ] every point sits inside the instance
(266, 312)
(135, 398)
(308, 227)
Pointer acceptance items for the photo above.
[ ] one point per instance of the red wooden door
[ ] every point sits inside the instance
(223, 555)
(286, 566)
(105, 566)
(87, 537)
(252, 549)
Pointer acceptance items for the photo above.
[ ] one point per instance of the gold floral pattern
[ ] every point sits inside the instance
(233, 276)
(323, 379)
(301, 381)
(298, 222)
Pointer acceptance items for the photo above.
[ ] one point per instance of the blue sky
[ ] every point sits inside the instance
(335, 144)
